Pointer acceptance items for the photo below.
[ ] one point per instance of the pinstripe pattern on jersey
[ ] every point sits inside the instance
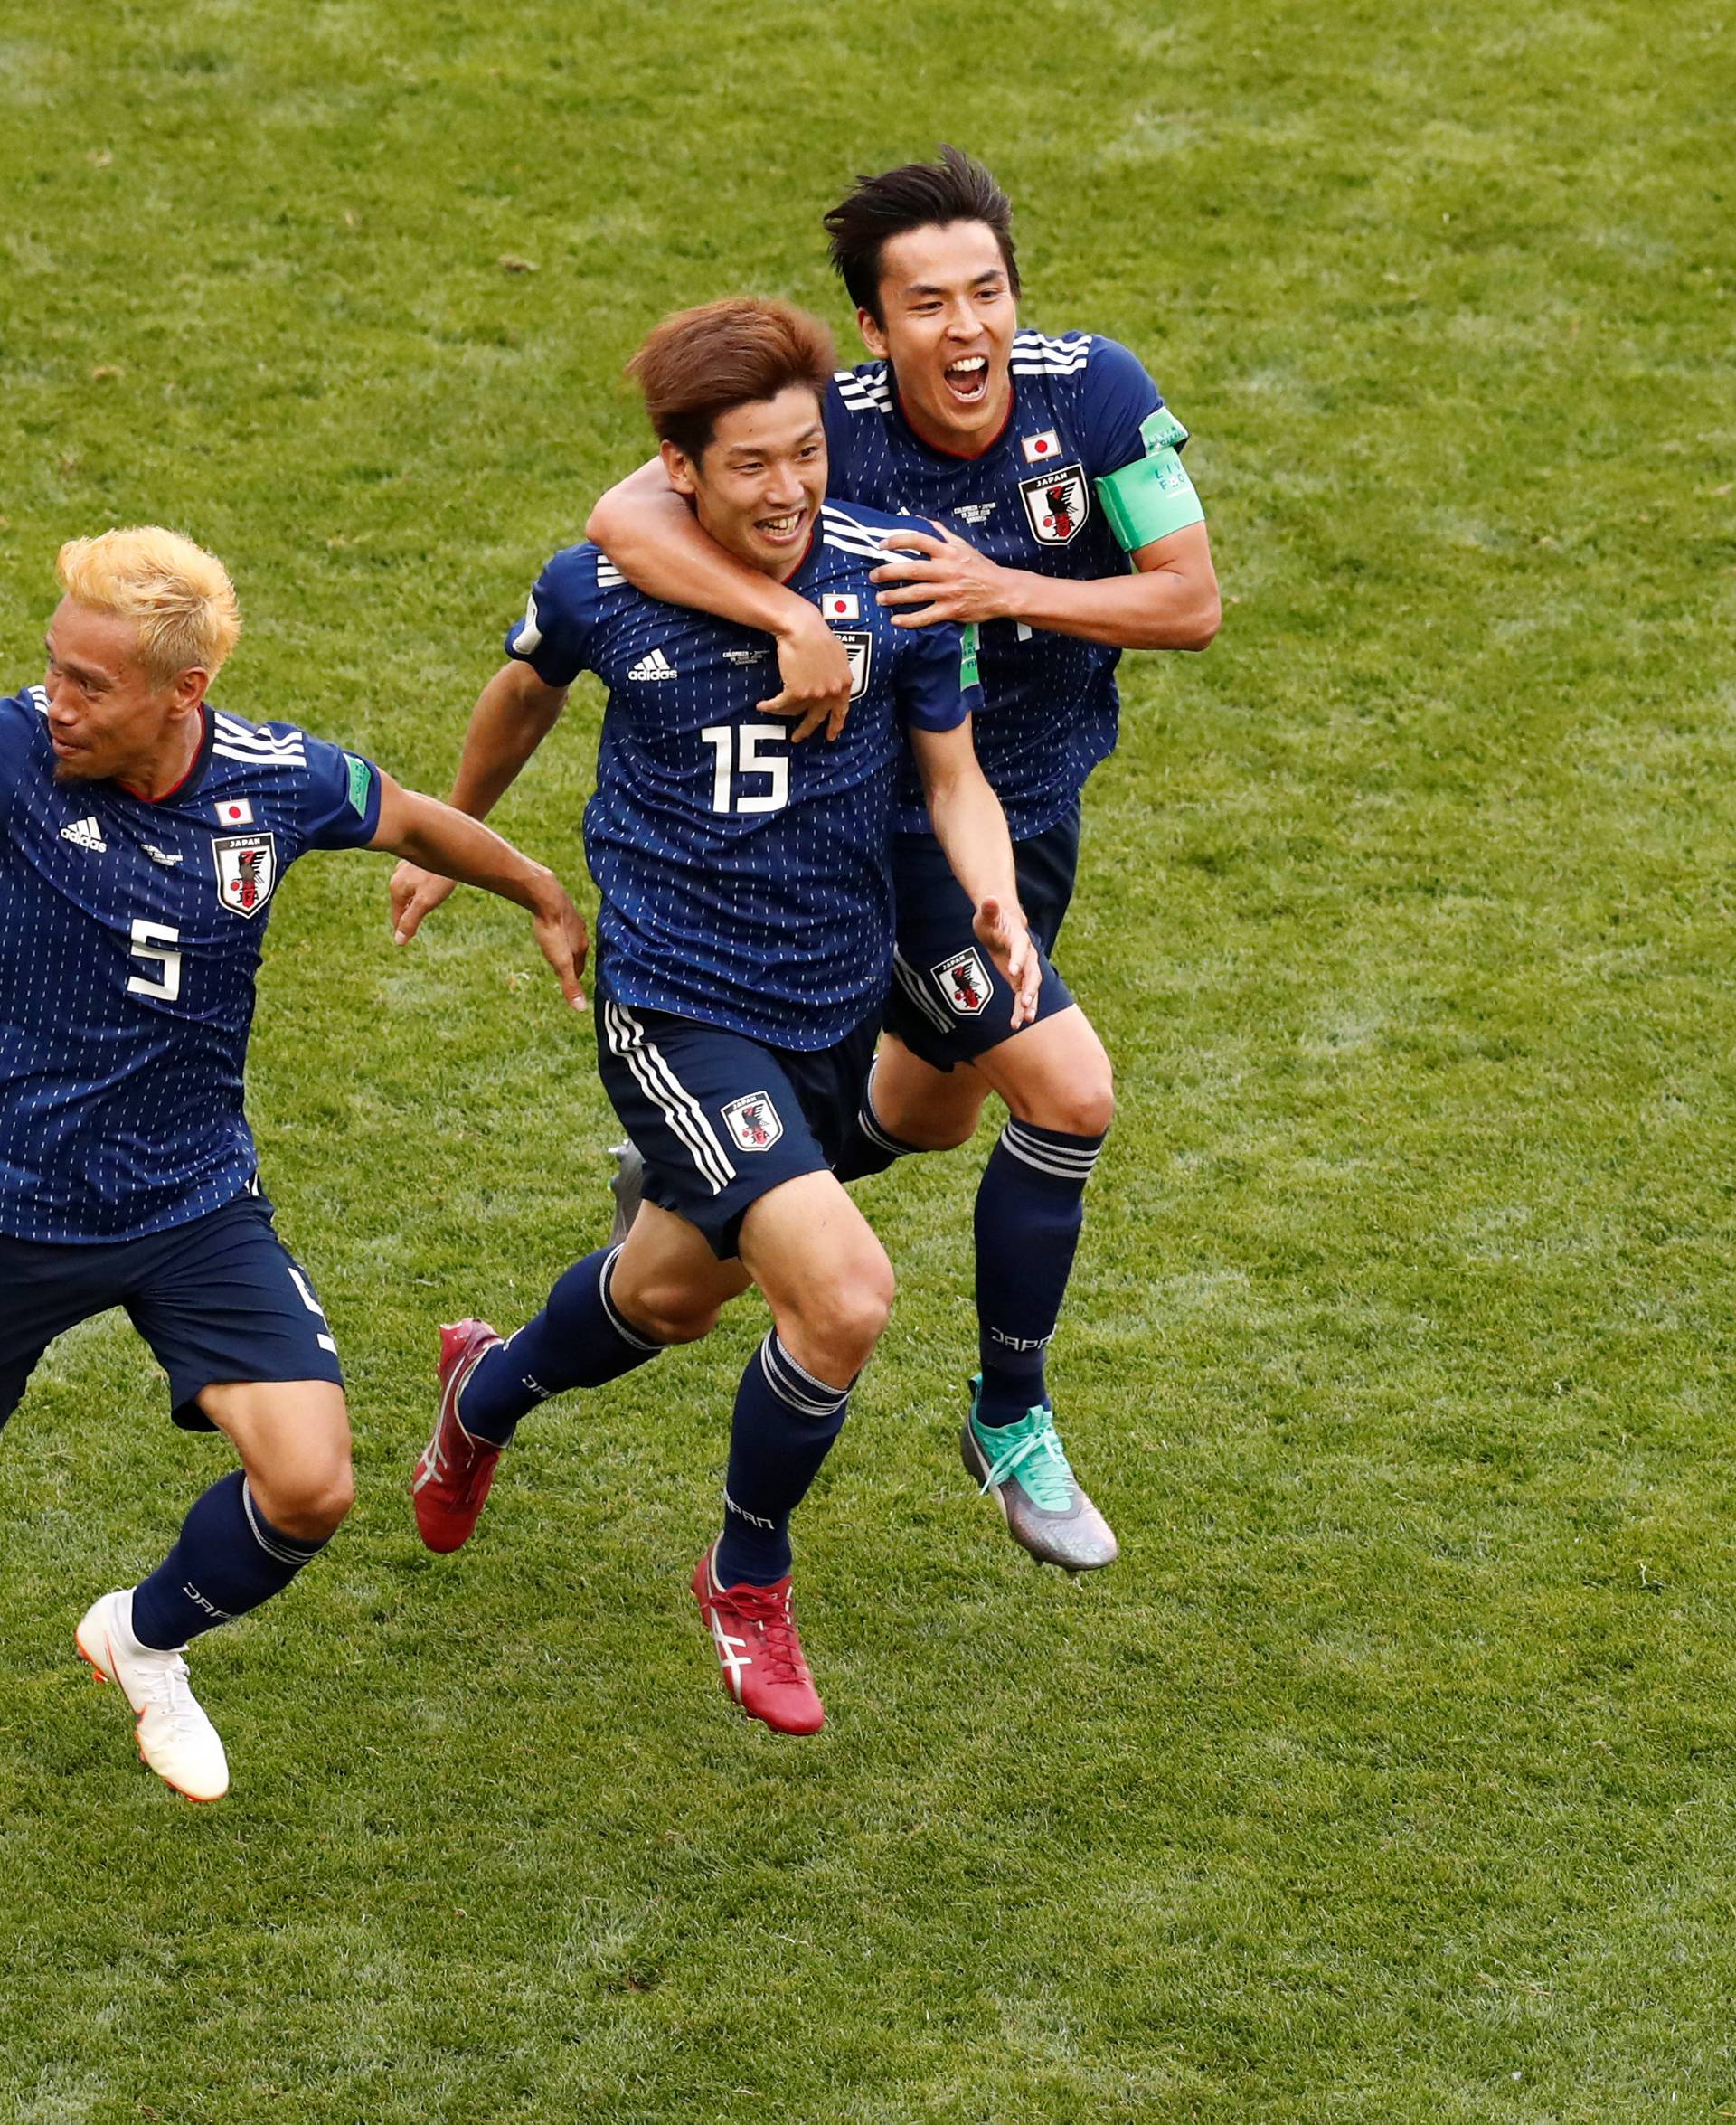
(127, 985)
(1049, 708)
(743, 880)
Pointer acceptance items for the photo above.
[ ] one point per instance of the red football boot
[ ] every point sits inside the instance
(755, 1636)
(450, 1485)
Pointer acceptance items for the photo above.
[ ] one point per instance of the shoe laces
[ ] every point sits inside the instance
(772, 1616)
(168, 1689)
(1038, 1459)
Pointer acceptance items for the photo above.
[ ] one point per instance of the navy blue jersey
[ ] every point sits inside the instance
(744, 879)
(1083, 407)
(129, 938)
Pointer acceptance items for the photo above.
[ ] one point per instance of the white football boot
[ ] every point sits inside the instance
(174, 1737)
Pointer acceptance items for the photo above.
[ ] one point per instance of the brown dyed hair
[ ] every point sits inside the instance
(703, 362)
(915, 195)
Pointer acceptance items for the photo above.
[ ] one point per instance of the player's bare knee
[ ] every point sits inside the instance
(308, 1503)
(847, 1314)
(1083, 1106)
(677, 1324)
(943, 1132)
(1091, 1108)
(661, 1314)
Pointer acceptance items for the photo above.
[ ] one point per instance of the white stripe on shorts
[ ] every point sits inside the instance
(686, 1117)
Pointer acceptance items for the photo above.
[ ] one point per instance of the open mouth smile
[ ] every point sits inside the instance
(966, 379)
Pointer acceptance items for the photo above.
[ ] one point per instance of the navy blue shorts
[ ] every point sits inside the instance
(949, 1002)
(217, 1299)
(720, 1120)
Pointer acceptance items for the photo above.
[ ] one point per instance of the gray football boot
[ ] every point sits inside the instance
(1026, 1468)
(627, 1185)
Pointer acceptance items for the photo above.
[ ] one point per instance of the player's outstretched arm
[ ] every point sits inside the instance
(654, 538)
(971, 828)
(461, 850)
(1170, 601)
(514, 712)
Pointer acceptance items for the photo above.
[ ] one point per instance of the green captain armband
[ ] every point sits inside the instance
(1151, 497)
(968, 674)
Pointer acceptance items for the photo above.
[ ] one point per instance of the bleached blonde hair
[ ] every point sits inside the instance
(181, 596)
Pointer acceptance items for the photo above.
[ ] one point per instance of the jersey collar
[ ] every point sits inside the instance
(195, 766)
(939, 449)
(808, 551)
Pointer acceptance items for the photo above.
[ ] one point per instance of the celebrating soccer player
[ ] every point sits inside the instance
(745, 949)
(143, 836)
(1059, 464)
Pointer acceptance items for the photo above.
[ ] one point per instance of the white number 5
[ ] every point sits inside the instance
(149, 942)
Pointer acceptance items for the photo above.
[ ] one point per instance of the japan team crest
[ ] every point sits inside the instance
(859, 648)
(964, 983)
(1057, 504)
(752, 1121)
(247, 870)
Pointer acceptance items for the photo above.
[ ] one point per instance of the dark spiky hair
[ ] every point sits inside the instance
(915, 195)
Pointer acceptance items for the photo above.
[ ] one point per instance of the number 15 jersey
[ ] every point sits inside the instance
(744, 879)
(129, 938)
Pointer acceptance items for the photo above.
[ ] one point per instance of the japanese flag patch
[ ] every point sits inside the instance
(841, 605)
(233, 811)
(1040, 449)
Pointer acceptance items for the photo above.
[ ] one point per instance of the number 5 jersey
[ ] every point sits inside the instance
(129, 938)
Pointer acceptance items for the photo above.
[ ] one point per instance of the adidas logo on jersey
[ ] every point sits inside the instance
(86, 834)
(655, 666)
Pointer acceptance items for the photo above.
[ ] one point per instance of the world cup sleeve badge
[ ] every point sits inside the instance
(247, 870)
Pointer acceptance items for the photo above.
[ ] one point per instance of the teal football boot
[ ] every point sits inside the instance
(1026, 1468)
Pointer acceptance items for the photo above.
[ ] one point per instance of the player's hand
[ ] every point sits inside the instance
(564, 940)
(815, 672)
(415, 892)
(1002, 931)
(947, 577)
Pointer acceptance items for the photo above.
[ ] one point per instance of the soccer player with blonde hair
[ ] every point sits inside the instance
(144, 832)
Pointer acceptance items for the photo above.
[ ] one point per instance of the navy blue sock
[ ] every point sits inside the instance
(578, 1340)
(868, 1146)
(785, 1422)
(1029, 1209)
(227, 1558)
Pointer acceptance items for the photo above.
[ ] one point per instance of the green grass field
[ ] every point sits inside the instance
(1389, 1776)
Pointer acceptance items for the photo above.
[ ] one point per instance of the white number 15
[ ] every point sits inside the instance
(751, 760)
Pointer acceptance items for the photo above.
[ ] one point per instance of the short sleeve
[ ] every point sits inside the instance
(938, 682)
(554, 636)
(1118, 401)
(340, 797)
(1136, 465)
